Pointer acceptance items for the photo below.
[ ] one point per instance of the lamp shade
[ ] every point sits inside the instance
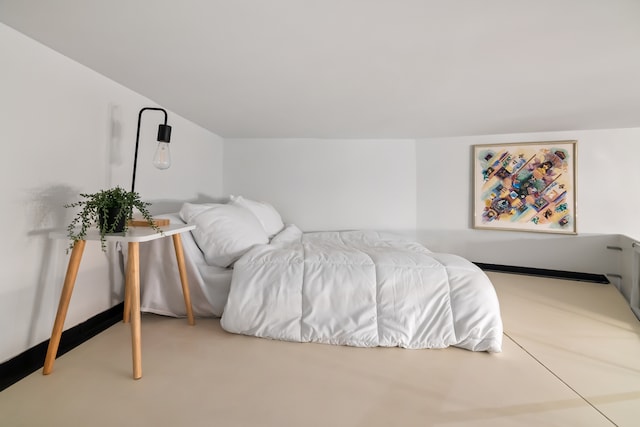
(164, 133)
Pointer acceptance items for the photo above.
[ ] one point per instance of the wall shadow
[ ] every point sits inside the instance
(165, 206)
(46, 213)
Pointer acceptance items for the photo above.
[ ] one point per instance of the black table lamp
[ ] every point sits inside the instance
(162, 156)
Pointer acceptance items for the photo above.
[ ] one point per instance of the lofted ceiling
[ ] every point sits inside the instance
(359, 68)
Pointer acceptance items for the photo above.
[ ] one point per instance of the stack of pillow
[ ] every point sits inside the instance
(224, 232)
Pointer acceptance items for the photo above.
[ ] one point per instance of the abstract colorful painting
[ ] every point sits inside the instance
(526, 186)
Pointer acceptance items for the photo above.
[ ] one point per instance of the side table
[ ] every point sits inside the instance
(133, 237)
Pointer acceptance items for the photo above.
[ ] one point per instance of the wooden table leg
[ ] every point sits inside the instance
(63, 305)
(133, 285)
(177, 244)
(126, 315)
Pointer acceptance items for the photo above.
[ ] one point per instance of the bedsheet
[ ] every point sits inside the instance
(160, 287)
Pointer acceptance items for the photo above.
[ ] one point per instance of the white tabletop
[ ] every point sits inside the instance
(133, 234)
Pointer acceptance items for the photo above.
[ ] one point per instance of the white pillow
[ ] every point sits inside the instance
(223, 232)
(266, 214)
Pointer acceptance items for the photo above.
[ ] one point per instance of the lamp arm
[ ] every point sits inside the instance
(135, 157)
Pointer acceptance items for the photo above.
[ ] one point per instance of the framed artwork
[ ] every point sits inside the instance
(527, 186)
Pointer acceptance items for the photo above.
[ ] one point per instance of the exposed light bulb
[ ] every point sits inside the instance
(162, 156)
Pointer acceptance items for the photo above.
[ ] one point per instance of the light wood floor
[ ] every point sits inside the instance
(571, 357)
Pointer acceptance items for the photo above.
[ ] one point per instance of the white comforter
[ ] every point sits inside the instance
(358, 288)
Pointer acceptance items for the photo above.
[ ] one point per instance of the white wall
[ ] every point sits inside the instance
(607, 179)
(394, 184)
(328, 184)
(66, 129)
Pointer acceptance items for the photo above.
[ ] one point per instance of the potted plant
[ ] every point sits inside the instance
(108, 210)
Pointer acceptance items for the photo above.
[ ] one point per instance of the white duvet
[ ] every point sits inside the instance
(359, 288)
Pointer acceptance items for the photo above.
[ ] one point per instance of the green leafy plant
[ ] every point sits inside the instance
(105, 210)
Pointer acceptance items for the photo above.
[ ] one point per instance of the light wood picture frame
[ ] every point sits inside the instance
(525, 186)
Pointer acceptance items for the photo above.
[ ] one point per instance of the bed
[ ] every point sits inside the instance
(358, 288)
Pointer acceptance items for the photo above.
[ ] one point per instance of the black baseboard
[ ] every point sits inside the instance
(542, 272)
(32, 359)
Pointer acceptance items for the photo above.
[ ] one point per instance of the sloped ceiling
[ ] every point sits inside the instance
(359, 68)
